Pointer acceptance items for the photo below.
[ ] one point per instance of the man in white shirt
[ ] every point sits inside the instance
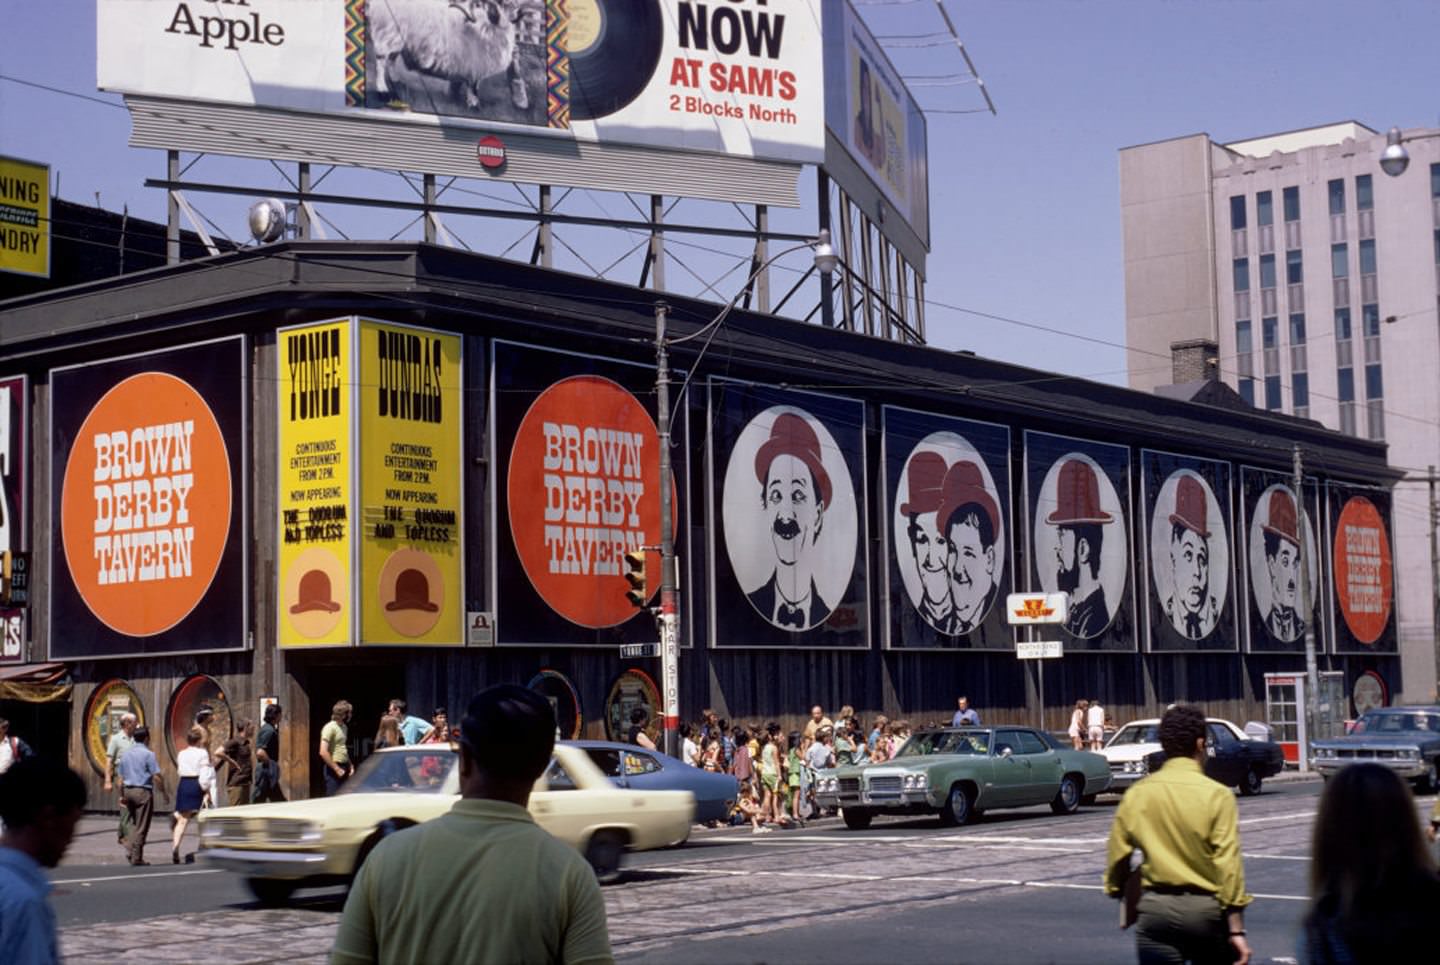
(1095, 724)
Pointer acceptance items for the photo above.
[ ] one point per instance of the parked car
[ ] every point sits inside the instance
(1232, 757)
(289, 844)
(958, 773)
(628, 765)
(1404, 739)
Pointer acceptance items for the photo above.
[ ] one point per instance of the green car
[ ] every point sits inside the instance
(959, 772)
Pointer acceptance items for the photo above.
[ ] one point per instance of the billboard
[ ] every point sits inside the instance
(24, 217)
(947, 498)
(872, 116)
(148, 482)
(1362, 569)
(1078, 495)
(743, 77)
(14, 499)
(1274, 528)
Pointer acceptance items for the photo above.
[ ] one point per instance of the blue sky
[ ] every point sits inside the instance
(1024, 205)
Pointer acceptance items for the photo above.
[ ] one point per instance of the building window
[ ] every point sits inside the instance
(1345, 384)
(1269, 333)
(1437, 246)
(1272, 391)
(1237, 213)
(1370, 319)
(1374, 383)
(1297, 328)
(1364, 193)
(1340, 260)
(1242, 338)
(1300, 387)
(1342, 324)
(1337, 198)
(1247, 391)
(1292, 204)
(1435, 180)
(1367, 257)
(1267, 271)
(1242, 271)
(1294, 271)
(1265, 207)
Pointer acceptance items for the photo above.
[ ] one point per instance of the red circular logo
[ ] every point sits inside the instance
(1364, 573)
(490, 152)
(583, 491)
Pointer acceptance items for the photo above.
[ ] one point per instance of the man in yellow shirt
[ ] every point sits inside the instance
(1192, 906)
(483, 883)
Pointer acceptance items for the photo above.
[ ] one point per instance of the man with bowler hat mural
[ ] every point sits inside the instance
(794, 494)
(1282, 564)
(972, 522)
(926, 475)
(1192, 608)
(1081, 523)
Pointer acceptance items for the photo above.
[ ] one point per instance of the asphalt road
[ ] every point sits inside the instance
(1016, 887)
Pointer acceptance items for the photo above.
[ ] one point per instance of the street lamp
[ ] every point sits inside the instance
(1395, 159)
(668, 618)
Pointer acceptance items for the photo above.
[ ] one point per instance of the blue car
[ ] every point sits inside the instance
(629, 765)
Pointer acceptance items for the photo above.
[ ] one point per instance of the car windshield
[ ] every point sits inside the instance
(1136, 734)
(1393, 723)
(927, 742)
(419, 772)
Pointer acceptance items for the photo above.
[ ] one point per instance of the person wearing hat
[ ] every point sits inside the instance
(971, 521)
(926, 477)
(1191, 609)
(1081, 523)
(1282, 563)
(794, 494)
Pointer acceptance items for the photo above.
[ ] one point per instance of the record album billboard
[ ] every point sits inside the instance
(1189, 569)
(1362, 569)
(148, 495)
(1078, 496)
(1276, 620)
(946, 499)
(787, 471)
(739, 77)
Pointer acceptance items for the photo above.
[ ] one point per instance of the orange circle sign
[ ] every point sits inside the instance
(582, 493)
(1364, 573)
(145, 505)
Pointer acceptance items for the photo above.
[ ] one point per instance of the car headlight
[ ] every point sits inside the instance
(1132, 767)
(1408, 754)
(826, 785)
(916, 782)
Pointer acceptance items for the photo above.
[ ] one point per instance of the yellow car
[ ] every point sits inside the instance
(290, 844)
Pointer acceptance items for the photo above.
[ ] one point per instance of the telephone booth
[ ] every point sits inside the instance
(1285, 711)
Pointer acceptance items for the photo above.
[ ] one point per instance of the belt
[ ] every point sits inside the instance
(1179, 890)
(138, 787)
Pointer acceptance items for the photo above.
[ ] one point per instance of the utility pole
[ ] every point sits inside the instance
(1434, 579)
(667, 621)
(1312, 673)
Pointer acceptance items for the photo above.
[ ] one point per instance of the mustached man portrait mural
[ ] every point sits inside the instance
(1277, 618)
(1188, 549)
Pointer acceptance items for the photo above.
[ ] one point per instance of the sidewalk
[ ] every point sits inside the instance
(95, 840)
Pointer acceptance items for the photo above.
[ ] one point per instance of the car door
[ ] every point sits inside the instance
(1044, 767)
(1225, 758)
(643, 771)
(610, 762)
(1011, 777)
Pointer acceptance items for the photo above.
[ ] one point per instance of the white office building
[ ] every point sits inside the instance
(1313, 274)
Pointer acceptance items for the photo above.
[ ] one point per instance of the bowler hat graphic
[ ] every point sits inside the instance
(965, 484)
(412, 592)
(927, 475)
(791, 435)
(315, 594)
(1077, 496)
(1282, 522)
(1190, 506)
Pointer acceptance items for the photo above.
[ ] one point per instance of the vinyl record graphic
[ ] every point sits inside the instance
(614, 48)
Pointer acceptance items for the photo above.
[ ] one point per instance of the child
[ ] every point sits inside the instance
(749, 809)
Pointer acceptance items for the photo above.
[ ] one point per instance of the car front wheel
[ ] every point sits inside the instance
(1067, 798)
(856, 819)
(270, 892)
(958, 808)
(1431, 781)
(1250, 783)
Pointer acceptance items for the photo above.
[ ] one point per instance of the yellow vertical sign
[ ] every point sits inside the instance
(316, 460)
(24, 217)
(411, 466)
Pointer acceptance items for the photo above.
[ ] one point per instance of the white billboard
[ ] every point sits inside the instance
(739, 77)
(872, 114)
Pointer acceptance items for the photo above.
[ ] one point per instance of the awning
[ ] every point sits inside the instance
(36, 683)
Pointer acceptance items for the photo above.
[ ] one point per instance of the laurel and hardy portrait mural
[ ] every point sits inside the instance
(1274, 530)
(947, 495)
(789, 481)
(1078, 496)
(1190, 603)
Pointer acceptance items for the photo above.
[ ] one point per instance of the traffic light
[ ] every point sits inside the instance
(639, 592)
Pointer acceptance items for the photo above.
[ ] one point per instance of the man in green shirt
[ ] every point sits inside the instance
(334, 749)
(120, 742)
(483, 883)
(1192, 906)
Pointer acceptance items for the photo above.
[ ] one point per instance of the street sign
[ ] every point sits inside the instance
(1032, 608)
(1039, 650)
(629, 651)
